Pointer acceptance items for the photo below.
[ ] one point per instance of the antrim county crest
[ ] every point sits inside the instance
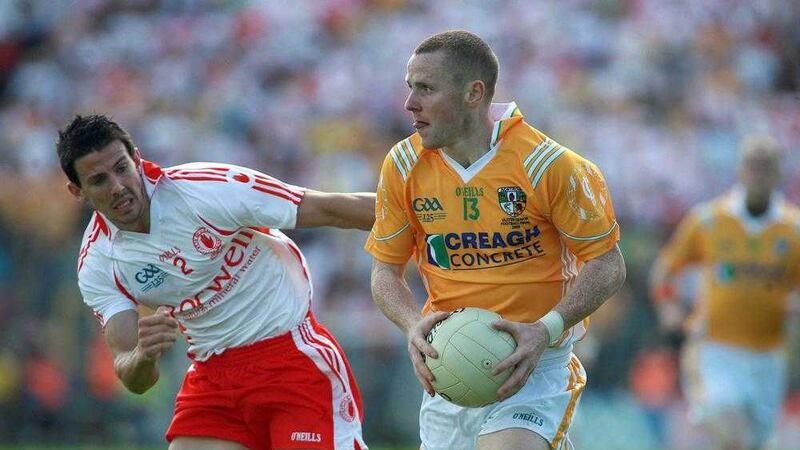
(512, 200)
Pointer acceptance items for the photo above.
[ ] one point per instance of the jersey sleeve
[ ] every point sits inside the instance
(795, 255)
(577, 200)
(683, 248)
(101, 291)
(230, 197)
(391, 239)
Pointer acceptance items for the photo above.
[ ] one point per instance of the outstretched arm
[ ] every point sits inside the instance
(349, 210)
(137, 346)
(598, 280)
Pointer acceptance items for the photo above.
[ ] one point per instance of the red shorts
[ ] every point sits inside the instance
(295, 390)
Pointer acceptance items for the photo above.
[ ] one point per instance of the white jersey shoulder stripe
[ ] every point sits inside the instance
(398, 164)
(535, 151)
(547, 164)
(404, 156)
(549, 147)
(406, 144)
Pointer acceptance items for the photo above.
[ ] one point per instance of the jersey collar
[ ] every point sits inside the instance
(737, 206)
(505, 116)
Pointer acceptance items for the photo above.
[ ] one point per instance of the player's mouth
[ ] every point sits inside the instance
(123, 205)
(418, 125)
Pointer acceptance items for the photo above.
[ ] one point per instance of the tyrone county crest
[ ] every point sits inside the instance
(207, 243)
(512, 200)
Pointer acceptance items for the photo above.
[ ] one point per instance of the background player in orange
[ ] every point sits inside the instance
(747, 243)
(497, 216)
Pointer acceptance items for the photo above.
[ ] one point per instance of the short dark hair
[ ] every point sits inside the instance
(87, 134)
(468, 54)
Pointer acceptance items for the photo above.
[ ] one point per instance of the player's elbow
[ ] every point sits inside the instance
(622, 275)
(139, 387)
(616, 270)
(385, 278)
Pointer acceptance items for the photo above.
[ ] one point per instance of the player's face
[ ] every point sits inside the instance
(759, 175)
(436, 103)
(111, 183)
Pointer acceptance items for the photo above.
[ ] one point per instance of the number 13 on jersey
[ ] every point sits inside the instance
(471, 211)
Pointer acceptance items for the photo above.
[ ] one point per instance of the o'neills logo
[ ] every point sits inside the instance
(347, 408)
(306, 436)
(206, 242)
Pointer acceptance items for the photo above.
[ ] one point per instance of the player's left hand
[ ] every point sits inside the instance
(532, 341)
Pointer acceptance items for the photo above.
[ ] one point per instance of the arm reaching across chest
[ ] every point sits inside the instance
(233, 196)
(138, 344)
(349, 210)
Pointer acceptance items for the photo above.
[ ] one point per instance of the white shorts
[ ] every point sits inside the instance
(721, 378)
(544, 405)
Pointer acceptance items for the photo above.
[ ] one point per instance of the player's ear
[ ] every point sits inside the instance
(75, 190)
(137, 157)
(476, 93)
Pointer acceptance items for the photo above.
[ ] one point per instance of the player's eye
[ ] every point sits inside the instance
(122, 168)
(97, 181)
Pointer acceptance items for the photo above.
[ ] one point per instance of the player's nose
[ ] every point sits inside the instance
(117, 188)
(411, 103)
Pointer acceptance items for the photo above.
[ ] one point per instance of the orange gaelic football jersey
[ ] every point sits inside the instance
(749, 268)
(507, 234)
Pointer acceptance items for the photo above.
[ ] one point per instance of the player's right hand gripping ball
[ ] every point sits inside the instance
(469, 348)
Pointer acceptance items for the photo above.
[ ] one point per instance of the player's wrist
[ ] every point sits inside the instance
(553, 323)
(142, 358)
(541, 331)
(664, 292)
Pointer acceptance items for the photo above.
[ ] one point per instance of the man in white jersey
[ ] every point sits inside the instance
(201, 243)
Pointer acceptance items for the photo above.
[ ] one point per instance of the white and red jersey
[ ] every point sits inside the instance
(214, 255)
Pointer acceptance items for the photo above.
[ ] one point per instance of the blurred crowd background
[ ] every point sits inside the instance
(657, 93)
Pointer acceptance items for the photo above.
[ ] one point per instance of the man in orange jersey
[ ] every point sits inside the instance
(496, 216)
(747, 243)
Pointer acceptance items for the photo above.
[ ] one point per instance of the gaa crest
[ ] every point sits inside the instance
(207, 242)
(512, 200)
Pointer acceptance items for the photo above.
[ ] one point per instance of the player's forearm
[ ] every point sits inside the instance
(352, 210)
(136, 372)
(393, 297)
(598, 280)
(662, 287)
(325, 209)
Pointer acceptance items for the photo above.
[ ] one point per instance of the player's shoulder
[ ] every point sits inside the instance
(546, 159)
(201, 171)
(405, 155)
(201, 179)
(790, 214)
(96, 243)
(707, 213)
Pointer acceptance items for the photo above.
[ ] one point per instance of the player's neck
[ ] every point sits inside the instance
(757, 205)
(142, 224)
(474, 141)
